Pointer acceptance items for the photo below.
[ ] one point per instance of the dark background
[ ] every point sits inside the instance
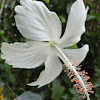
(13, 81)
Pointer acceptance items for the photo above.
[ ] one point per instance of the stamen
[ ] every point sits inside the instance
(79, 77)
(77, 84)
(75, 62)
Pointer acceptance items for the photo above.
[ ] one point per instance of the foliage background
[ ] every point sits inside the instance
(13, 81)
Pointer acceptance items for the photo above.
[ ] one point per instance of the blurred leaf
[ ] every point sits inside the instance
(66, 96)
(29, 96)
(73, 90)
(63, 19)
(97, 92)
(1, 33)
(1, 83)
(4, 99)
(22, 89)
(93, 16)
(47, 1)
(12, 78)
(12, 5)
(97, 83)
(96, 14)
(6, 24)
(57, 90)
(66, 79)
(72, 47)
(5, 39)
(29, 73)
(3, 66)
(75, 94)
(90, 17)
(68, 7)
(46, 93)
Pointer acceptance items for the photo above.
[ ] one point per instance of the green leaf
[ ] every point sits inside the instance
(93, 16)
(72, 47)
(68, 7)
(75, 94)
(62, 18)
(12, 78)
(3, 66)
(97, 83)
(57, 90)
(97, 92)
(1, 33)
(66, 97)
(47, 1)
(90, 17)
(12, 5)
(96, 14)
(29, 73)
(1, 83)
(28, 95)
(4, 99)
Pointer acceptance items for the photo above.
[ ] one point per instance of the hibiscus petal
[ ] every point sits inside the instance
(25, 55)
(75, 25)
(75, 56)
(36, 22)
(53, 68)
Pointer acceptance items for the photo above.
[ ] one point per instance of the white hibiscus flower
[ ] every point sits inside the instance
(37, 23)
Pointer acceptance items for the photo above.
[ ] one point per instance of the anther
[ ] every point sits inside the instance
(79, 69)
(74, 85)
(79, 96)
(70, 76)
(64, 70)
(92, 91)
(83, 96)
(74, 78)
(64, 65)
(72, 64)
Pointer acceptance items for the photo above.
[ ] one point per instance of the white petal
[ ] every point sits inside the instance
(75, 56)
(36, 22)
(25, 55)
(53, 68)
(75, 25)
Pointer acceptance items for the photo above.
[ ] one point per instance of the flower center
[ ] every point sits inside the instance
(53, 43)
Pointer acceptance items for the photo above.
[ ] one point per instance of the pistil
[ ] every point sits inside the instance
(81, 86)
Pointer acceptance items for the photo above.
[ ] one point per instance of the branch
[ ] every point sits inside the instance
(2, 6)
(10, 89)
(11, 36)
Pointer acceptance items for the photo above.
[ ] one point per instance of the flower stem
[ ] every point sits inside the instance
(66, 61)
